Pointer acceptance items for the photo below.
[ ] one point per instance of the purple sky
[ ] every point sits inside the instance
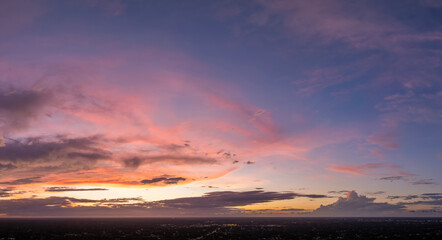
(220, 108)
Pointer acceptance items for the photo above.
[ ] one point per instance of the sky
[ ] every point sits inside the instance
(220, 108)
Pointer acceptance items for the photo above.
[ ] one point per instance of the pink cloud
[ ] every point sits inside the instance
(371, 169)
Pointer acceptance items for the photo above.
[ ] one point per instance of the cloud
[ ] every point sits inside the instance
(413, 181)
(18, 107)
(408, 197)
(58, 154)
(53, 149)
(371, 169)
(180, 159)
(210, 204)
(133, 162)
(164, 180)
(424, 182)
(68, 189)
(435, 196)
(222, 203)
(428, 202)
(424, 196)
(67, 206)
(338, 192)
(311, 195)
(355, 205)
(7, 166)
(392, 178)
(225, 199)
(22, 181)
(376, 193)
(325, 23)
(292, 210)
(387, 140)
(6, 192)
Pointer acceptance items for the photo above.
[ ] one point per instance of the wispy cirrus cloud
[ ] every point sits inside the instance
(371, 169)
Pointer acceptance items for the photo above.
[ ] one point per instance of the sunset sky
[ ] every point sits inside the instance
(220, 108)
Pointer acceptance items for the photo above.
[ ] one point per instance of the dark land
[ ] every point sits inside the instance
(222, 228)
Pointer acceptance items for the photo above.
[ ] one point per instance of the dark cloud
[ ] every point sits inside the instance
(424, 182)
(46, 149)
(292, 210)
(225, 154)
(249, 162)
(392, 178)
(408, 197)
(134, 162)
(52, 154)
(19, 107)
(6, 192)
(424, 196)
(435, 196)
(311, 195)
(180, 159)
(164, 180)
(173, 148)
(429, 202)
(67, 189)
(338, 192)
(225, 199)
(66, 206)
(355, 205)
(22, 181)
(376, 193)
(7, 166)
(210, 203)
(416, 182)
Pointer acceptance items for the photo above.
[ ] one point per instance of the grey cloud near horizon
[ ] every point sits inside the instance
(165, 180)
(437, 202)
(220, 202)
(68, 189)
(209, 204)
(223, 199)
(355, 205)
